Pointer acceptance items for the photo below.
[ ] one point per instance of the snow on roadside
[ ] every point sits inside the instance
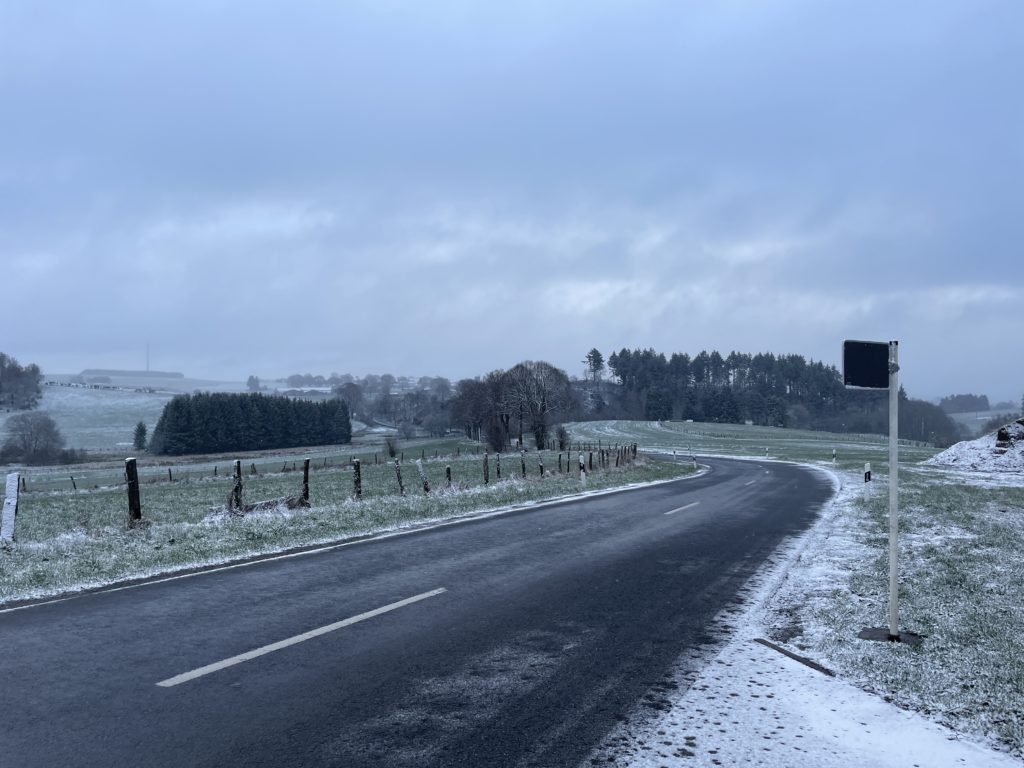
(984, 454)
(751, 705)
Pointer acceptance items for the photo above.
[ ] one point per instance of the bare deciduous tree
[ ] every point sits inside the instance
(533, 392)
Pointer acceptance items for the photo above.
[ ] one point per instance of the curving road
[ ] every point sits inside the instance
(517, 640)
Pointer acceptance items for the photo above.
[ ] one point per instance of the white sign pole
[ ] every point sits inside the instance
(894, 498)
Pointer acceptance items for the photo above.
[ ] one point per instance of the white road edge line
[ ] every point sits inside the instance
(249, 655)
(685, 506)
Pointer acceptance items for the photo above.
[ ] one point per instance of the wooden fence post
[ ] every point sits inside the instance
(522, 460)
(253, 465)
(398, 474)
(73, 486)
(10, 510)
(540, 467)
(357, 480)
(559, 463)
(131, 471)
(305, 479)
(497, 465)
(448, 476)
(487, 472)
(590, 461)
(170, 477)
(235, 500)
(24, 484)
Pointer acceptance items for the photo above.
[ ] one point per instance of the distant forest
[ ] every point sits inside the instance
(504, 406)
(763, 388)
(220, 422)
(964, 403)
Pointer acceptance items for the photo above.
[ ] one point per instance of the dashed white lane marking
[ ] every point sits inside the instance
(680, 509)
(751, 482)
(184, 677)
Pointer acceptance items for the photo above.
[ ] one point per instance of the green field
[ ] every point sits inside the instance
(740, 440)
(98, 420)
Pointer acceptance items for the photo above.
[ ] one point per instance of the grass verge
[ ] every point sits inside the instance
(78, 540)
(961, 585)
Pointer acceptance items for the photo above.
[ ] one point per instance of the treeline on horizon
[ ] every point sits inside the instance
(763, 388)
(223, 422)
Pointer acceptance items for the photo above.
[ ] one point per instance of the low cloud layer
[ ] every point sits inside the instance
(448, 190)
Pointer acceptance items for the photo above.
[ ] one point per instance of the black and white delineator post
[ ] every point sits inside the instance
(10, 509)
(875, 365)
(894, 495)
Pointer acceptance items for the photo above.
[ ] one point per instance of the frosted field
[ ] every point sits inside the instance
(739, 440)
(96, 419)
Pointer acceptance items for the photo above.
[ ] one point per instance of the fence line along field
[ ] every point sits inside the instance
(68, 540)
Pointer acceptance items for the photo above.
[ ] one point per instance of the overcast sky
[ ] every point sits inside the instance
(448, 188)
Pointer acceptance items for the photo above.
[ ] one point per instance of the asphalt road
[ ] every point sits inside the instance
(553, 625)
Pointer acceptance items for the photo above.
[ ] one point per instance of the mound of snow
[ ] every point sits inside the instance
(1001, 451)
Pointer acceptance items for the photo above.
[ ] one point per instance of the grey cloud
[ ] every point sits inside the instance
(450, 188)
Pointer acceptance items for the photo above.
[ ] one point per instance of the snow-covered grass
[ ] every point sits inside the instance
(739, 440)
(74, 540)
(962, 586)
(98, 419)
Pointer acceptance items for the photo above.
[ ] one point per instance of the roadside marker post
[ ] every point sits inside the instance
(10, 509)
(875, 365)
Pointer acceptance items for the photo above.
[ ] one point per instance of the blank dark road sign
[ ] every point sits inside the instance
(866, 364)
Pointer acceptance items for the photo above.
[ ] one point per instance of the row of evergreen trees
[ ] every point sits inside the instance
(220, 422)
(768, 389)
